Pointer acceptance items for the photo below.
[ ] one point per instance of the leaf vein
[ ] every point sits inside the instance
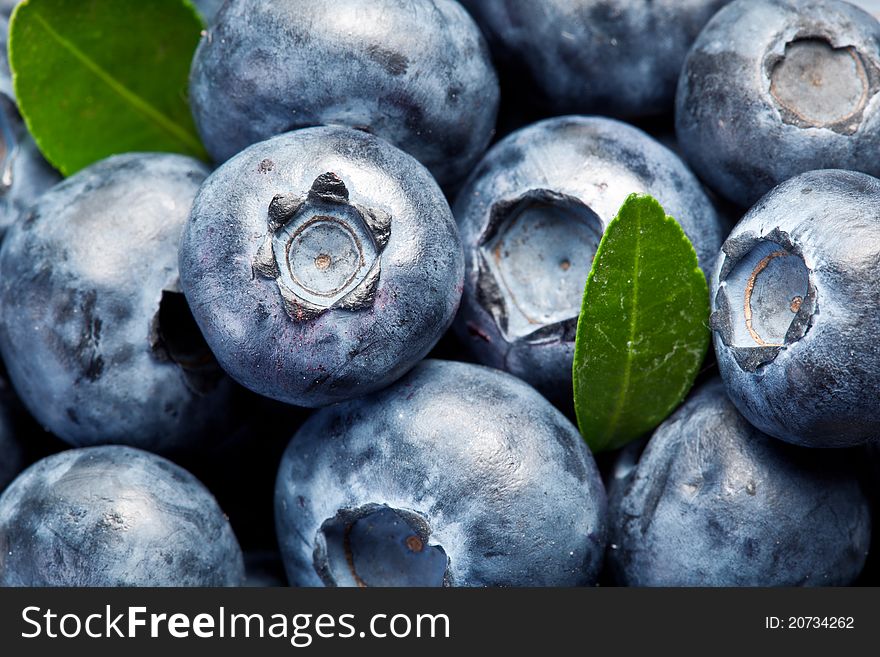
(138, 103)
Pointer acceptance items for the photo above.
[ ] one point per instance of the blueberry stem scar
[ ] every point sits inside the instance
(747, 303)
(349, 557)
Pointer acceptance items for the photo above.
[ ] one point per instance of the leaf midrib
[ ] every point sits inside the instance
(139, 104)
(627, 367)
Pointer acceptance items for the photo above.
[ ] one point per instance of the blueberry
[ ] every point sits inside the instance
(99, 342)
(531, 217)
(24, 174)
(586, 56)
(113, 516)
(457, 475)
(870, 6)
(774, 88)
(714, 502)
(321, 265)
(208, 9)
(414, 72)
(794, 301)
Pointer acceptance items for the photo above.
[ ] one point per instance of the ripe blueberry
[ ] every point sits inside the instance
(795, 320)
(98, 340)
(586, 56)
(714, 502)
(24, 174)
(113, 516)
(531, 217)
(774, 88)
(414, 72)
(321, 265)
(457, 475)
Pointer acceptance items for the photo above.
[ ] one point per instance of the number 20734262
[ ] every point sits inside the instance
(809, 623)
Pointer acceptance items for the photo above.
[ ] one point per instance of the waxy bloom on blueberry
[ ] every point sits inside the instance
(531, 217)
(321, 265)
(114, 516)
(416, 73)
(795, 319)
(99, 342)
(774, 88)
(455, 475)
(715, 502)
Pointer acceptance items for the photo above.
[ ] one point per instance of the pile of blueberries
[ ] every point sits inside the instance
(166, 328)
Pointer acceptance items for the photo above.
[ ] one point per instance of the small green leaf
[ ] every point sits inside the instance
(643, 329)
(98, 77)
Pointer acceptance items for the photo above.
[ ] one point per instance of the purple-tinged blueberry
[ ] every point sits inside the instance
(775, 88)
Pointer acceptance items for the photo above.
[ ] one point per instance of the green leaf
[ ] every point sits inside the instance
(643, 330)
(99, 77)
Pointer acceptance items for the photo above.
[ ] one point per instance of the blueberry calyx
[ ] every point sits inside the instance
(766, 297)
(507, 259)
(376, 545)
(329, 187)
(323, 251)
(814, 84)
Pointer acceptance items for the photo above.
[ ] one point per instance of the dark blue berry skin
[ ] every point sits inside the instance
(24, 174)
(594, 56)
(531, 216)
(113, 516)
(416, 73)
(321, 265)
(208, 9)
(95, 334)
(794, 303)
(870, 6)
(774, 88)
(714, 502)
(456, 460)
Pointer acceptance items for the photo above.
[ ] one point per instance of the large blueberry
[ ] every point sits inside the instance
(594, 56)
(794, 302)
(414, 72)
(24, 174)
(531, 217)
(457, 475)
(321, 265)
(113, 516)
(98, 339)
(774, 88)
(714, 502)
